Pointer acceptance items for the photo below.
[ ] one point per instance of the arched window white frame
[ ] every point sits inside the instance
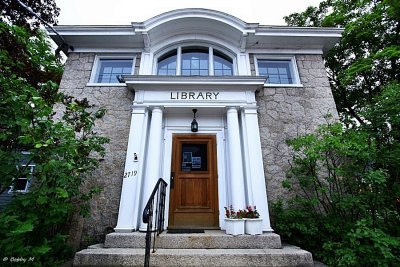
(195, 60)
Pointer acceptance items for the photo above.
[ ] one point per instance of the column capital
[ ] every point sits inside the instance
(157, 109)
(231, 109)
(250, 109)
(138, 110)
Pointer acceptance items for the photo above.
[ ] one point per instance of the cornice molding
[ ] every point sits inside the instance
(161, 79)
(159, 29)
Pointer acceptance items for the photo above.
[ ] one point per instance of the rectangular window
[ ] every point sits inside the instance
(278, 71)
(22, 184)
(108, 70)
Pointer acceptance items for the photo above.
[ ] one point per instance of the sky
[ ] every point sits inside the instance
(123, 12)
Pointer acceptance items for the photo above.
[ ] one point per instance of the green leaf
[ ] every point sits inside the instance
(23, 228)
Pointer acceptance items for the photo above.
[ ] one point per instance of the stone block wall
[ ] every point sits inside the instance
(115, 125)
(285, 113)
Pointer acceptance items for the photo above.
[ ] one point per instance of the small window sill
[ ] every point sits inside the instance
(106, 84)
(298, 85)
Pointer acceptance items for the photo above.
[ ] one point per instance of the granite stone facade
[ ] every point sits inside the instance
(284, 113)
(115, 125)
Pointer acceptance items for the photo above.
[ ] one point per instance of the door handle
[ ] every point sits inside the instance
(172, 180)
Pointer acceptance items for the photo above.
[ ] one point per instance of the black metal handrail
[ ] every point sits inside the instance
(149, 213)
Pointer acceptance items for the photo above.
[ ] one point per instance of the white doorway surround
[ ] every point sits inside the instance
(163, 107)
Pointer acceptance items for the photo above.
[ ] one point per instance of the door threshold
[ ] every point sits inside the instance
(185, 231)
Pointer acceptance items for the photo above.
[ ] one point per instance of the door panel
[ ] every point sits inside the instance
(194, 192)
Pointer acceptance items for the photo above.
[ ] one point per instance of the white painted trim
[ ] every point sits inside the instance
(178, 62)
(279, 51)
(293, 66)
(289, 31)
(219, 132)
(283, 85)
(107, 50)
(243, 64)
(93, 30)
(243, 81)
(193, 13)
(96, 66)
(211, 61)
(146, 63)
(106, 84)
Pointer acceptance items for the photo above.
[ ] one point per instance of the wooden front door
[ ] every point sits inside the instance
(194, 192)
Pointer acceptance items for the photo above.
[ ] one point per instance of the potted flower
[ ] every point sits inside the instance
(234, 223)
(253, 222)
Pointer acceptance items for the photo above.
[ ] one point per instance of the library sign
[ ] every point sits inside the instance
(182, 95)
(214, 97)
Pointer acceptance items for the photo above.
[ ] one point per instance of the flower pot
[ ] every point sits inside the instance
(234, 226)
(253, 226)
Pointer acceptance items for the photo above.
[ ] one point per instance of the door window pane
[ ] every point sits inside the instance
(194, 157)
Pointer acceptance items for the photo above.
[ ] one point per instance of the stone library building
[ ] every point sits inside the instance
(205, 101)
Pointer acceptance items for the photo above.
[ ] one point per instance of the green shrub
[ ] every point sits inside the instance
(343, 207)
(65, 151)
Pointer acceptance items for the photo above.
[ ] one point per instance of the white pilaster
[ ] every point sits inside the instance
(130, 203)
(256, 181)
(235, 160)
(146, 64)
(153, 160)
(243, 64)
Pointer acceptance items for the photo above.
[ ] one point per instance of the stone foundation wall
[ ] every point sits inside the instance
(115, 125)
(285, 113)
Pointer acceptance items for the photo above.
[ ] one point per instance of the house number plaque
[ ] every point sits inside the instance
(129, 174)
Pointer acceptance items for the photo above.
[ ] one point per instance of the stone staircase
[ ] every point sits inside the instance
(212, 248)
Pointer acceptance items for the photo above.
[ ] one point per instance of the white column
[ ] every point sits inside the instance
(246, 160)
(235, 160)
(153, 160)
(256, 182)
(129, 203)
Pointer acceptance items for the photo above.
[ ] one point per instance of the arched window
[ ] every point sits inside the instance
(167, 64)
(222, 64)
(195, 61)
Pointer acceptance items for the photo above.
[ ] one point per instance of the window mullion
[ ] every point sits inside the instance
(210, 61)
(179, 60)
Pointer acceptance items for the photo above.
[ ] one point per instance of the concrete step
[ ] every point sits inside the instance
(286, 256)
(211, 239)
